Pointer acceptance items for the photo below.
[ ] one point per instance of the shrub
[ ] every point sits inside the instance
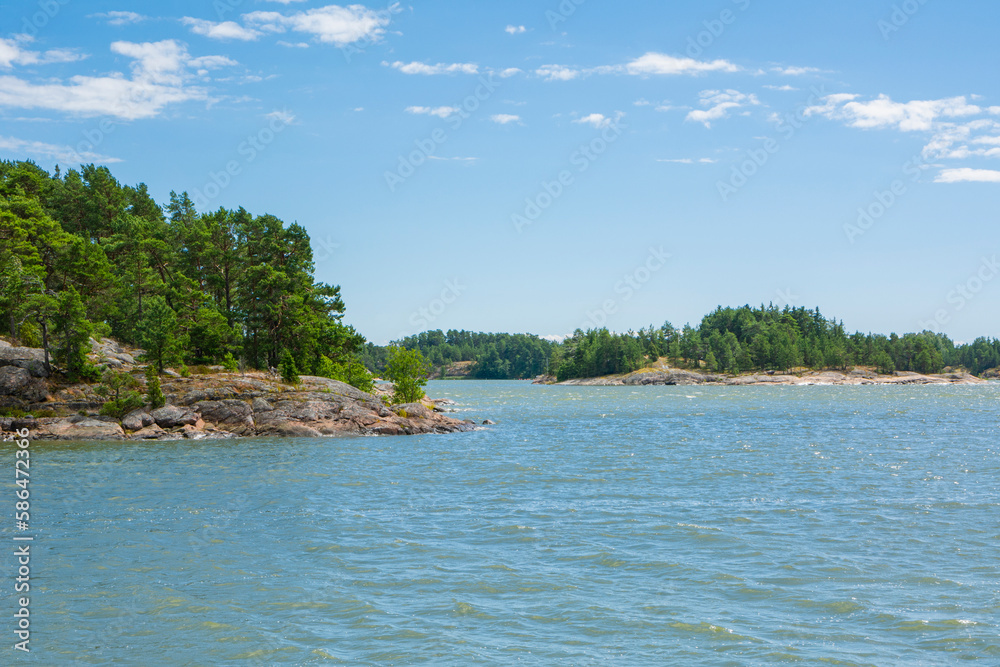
(154, 394)
(230, 363)
(289, 371)
(408, 371)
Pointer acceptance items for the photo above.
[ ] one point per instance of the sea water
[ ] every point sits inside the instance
(590, 525)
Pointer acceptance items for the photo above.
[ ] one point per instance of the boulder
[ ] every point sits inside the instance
(412, 411)
(151, 432)
(13, 379)
(29, 358)
(229, 415)
(291, 429)
(81, 429)
(137, 419)
(171, 416)
(261, 405)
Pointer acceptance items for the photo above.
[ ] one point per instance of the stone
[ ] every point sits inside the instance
(29, 358)
(489, 422)
(84, 429)
(13, 379)
(230, 415)
(137, 419)
(171, 416)
(152, 432)
(412, 411)
(261, 405)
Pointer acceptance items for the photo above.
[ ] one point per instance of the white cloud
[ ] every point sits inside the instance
(224, 30)
(119, 18)
(64, 154)
(509, 72)
(784, 88)
(557, 73)
(452, 159)
(720, 103)
(795, 71)
(505, 118)
(331, 24)
(440, 112)
(283, 116)
(599, 120)
(515, 29)
(659, 63)
(918, 115)
(160, 75)
(641, 102)
(429, 70)
(966, 175)
(291, 45)
(989, 141)
(12, 54)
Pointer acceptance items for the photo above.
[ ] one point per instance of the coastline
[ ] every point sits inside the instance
(680, 377)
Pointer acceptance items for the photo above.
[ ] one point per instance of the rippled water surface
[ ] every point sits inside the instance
(653, 525)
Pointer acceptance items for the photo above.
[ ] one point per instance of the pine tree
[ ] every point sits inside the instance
(154, 394)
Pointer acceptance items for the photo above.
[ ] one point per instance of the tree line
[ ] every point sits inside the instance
(728, 340)
(82, 255)
(497, 356)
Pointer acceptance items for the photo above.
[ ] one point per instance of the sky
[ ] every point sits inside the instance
(546, 166)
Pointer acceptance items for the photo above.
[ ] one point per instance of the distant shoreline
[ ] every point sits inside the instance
(680, 377)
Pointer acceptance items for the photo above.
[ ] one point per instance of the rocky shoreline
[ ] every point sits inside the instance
(213, 405)
(679, 377)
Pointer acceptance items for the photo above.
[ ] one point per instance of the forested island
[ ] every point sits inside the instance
(728, 340)
(97, 278)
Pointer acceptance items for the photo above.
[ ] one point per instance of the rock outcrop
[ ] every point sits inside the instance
(228, 405)
(679, 377)
(29, 358)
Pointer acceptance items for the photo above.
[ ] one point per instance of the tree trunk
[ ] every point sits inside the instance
(45, 344)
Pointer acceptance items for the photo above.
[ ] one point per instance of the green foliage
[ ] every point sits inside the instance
(289, 371)
(350, 371)
(194, 287)
(408, 371)
(230, 364)
(157, 332)
(599, 352)
(497, 356)
(154, 394)
(184, 371)
(119, 391)
(72, 334)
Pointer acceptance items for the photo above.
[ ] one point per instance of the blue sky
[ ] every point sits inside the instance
(543, 166)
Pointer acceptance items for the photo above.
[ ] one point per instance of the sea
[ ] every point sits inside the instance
(819, 525)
